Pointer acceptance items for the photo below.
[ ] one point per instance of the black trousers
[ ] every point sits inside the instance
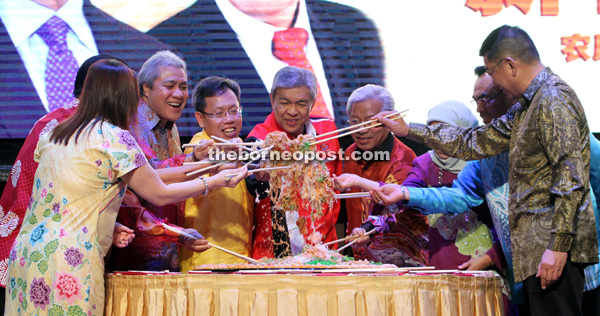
(564, 297)
(591, 301)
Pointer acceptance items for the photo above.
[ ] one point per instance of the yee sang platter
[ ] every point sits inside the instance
(313, 257)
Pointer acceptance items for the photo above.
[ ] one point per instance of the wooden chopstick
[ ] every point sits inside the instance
(352, 195)
(225, 141)
(352, 132)
(206, 168)
(231, 175)
(355, 240)
(181, 232)
(360, 124)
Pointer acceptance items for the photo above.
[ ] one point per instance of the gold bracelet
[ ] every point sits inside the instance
(205, 185)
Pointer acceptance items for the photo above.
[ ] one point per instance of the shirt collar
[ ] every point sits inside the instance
(535, 84)
(147, 118)
(13, 13)
(244, 25)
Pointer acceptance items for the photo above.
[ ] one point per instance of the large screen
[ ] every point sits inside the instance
(424, 52)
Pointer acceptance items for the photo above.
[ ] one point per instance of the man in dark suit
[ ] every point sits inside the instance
(347, 41)
(20, 104)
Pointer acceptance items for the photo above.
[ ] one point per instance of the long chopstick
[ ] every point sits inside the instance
(352, 195)
(181, 232)
(359, 124)
(206, 168)
(231, 175)
(355, 240)
(348, 237)
(352, 132)
(223, 140)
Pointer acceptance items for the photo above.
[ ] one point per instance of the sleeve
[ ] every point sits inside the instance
(595, 166)
(559, 127)
(399, 172)
(416, 176)
(174, 161)
(466, 143)
(123, 151)
(466, 192)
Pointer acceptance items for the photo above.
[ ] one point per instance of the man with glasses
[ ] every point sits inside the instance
(552, 224)
(225, 215)
(277, 234)
(491, 103)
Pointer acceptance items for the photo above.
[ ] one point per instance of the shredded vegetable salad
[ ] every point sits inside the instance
(306, 184)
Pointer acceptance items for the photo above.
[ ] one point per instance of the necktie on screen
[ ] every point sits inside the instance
(61, 65)
(288, 45)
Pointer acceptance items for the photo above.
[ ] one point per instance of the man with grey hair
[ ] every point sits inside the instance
(293, 95)
(164, 93)
(377, 155)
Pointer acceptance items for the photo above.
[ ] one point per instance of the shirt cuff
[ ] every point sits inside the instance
(560, 243)
(417, 132)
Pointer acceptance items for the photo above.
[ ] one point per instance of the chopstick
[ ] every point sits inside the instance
(206, 168)
(355, 240)
(220, 163)
(352, 195)
(360, 124)
(225, 141)
(231, 175)
(352, 132)
(181, 232)
(235, 254)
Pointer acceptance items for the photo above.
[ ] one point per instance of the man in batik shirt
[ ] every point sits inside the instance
(164, 93)
(552, 225)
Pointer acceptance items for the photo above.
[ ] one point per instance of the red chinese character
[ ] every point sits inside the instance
(522, 5)
(487, 7)
(491, 7)
(549, 7)
(574, 49)
(596, 48)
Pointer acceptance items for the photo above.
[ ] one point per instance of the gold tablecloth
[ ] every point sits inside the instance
(281, 295)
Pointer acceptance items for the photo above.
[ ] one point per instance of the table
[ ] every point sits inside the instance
(295, 294)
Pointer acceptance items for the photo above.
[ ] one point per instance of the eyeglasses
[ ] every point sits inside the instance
(233, 113)
(490, 71)
(476, 101)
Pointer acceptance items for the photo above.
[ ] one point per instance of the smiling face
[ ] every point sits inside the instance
(370, 138)
(502, 76)
(291, 108)
(226, 126)
(491, 102)
(168, 95)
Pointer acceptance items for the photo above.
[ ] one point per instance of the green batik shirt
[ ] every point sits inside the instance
(547, 137)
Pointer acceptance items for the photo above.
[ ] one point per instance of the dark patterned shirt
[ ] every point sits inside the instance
(547, 137)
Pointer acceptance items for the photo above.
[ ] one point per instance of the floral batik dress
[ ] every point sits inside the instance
(56, 265)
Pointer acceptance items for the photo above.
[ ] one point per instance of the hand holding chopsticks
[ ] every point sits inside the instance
(362, 128)
(357, 239)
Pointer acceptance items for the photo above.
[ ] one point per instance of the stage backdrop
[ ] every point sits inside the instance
(430, 49)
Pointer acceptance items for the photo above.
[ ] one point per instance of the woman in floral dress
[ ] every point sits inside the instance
(56, 265)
